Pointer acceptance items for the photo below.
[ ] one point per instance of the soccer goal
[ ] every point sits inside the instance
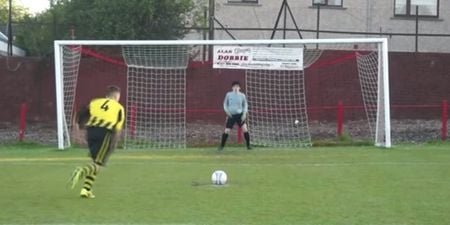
(281, 77)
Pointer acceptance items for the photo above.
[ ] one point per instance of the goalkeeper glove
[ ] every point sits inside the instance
(228, 114)
(243, 117)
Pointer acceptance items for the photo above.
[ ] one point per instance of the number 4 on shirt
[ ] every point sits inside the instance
(105, 106)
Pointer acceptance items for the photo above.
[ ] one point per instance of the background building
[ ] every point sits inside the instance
(395, 19)
(4, 47)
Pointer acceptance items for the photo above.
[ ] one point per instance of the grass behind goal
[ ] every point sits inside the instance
(408, 184)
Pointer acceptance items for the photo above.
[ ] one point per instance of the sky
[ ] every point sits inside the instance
(34, 6)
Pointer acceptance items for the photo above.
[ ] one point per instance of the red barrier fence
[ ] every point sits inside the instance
(239, 135)
(22, 124)
(340, 110)
(444, 120)
(340, 118)
(132, 121)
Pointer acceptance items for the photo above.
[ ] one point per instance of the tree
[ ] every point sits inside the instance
(18, 11)
(109, 20)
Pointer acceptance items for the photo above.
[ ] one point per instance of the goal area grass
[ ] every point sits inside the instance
(344, 185)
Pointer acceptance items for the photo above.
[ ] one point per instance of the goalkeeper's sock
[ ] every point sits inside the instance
(224, 140)
(247, 139)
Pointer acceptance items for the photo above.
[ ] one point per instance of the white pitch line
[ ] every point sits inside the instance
(140, 159)
(172, 224)
(136, 157)
(97, 224)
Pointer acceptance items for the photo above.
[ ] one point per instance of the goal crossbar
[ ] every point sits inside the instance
(221, 42)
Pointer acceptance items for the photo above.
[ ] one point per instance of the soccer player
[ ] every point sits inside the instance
(104, 118)
(236, 108)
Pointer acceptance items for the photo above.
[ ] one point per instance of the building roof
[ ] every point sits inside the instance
(4, 46)
(3, 37)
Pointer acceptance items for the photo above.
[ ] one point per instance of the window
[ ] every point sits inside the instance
(333, 3)
(427, 8)
(244, 1)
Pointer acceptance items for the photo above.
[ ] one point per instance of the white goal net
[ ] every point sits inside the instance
(156, 102)
(278, 110)
(281, 100)
(71, 65)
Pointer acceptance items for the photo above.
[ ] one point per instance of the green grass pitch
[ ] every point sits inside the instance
(408, 184)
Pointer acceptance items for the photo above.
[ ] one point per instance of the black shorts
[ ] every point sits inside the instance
(233, 120)
(101, 144)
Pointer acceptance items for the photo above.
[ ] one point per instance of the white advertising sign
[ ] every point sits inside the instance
(258, 58)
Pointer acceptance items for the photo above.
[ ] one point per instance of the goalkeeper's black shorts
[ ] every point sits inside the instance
(233, 120)
(101, 144)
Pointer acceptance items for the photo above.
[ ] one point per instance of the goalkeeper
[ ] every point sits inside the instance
(104, 118)
(236, 108)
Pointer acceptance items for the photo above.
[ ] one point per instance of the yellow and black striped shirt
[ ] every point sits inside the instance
(107, 113)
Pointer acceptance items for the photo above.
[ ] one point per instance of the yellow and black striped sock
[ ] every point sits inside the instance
(89, 181)
(89, 174)
(88, 169)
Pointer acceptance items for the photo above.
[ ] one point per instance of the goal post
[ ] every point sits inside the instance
(277, 98)
(386, 101)
(59, 89)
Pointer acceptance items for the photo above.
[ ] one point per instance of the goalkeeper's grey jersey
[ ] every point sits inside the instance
(235, 103)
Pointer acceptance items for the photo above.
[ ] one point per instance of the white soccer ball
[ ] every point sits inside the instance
(296, 122)
(219, 177)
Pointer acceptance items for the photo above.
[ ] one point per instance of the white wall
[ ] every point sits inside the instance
(16, 51)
